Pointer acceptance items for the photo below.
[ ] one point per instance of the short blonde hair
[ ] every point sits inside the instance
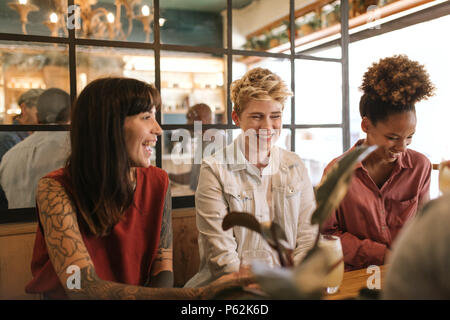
(258, 84)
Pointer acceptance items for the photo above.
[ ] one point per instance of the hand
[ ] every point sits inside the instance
(235, 280)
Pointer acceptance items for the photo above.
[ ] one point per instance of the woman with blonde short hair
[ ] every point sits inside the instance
(252, 175)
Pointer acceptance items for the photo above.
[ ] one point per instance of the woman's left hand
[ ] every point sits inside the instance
(230, 282)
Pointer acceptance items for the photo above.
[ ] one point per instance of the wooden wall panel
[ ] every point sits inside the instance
(17, 242)
(16, 249)
(186, 258)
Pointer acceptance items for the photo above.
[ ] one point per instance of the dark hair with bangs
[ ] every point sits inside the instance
(98, 165)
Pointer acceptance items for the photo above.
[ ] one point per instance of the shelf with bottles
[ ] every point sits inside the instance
(191, 80)
(181, 90)
(16, 82)
(25, 83)
(207, 88)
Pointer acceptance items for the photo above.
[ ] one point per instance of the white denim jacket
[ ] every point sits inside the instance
(237, 186)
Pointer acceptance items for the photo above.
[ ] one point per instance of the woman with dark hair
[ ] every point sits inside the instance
(390, 184)
(105, 219)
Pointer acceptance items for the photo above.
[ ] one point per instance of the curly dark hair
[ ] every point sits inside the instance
(392, 85)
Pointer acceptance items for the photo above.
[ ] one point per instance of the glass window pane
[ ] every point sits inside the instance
(98, 62)
(183, 151)
(317, 147)
(281, 67)
(193, 23)
(318, 24)
(284, 141)
(432, 114)
(113, 20)
(29, 66)
(318, 92)
(433, 54)
(29, 160)
(188, 79)
(332, 51)
(255, 29)
(44, 18)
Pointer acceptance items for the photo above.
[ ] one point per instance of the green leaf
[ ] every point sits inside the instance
(334, 185)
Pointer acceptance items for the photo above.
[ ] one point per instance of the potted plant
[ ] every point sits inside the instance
(262, 41)
(306, 29)
(315, 23)
(362, 5)
(273, 40)
(303, 281)
(334, 16)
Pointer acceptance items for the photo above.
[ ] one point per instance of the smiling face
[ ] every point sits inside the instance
(261, 120)
(141, 132)
(394, 134)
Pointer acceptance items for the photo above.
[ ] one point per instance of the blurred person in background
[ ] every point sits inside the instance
(28, 116)
(38, 154)
(198, 112)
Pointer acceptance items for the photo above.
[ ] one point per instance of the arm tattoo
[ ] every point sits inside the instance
(62, 235)
(164, 254)
(65, 247)
(165, 238)
(161, 273)
(92, 287)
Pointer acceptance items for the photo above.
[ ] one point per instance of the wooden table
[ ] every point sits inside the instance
(353, 282)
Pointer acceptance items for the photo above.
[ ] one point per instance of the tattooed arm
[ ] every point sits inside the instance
(65, 247)
(161, 275)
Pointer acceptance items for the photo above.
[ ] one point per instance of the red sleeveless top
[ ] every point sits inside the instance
(127, 253)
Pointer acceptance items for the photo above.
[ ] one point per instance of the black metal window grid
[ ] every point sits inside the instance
(28, 214)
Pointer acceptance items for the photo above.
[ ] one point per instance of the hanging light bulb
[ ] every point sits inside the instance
(110, 17)
(53, 18)
(145, 10)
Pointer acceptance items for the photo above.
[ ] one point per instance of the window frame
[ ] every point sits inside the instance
(29, 214)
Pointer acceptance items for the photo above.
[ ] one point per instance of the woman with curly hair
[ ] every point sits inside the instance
(256, 177)
(390, 184)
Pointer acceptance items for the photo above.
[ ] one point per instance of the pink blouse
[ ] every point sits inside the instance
(369, 218)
